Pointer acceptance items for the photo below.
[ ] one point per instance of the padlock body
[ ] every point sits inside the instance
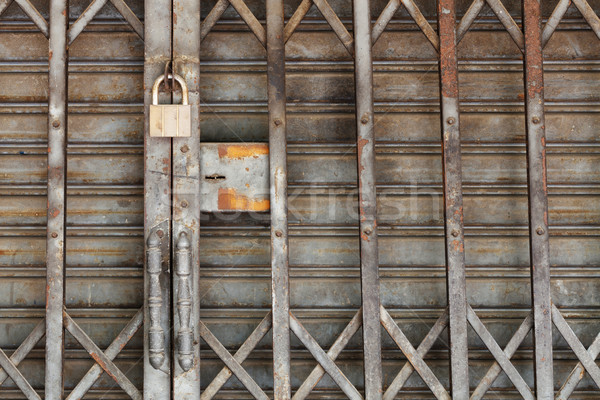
(170, 120)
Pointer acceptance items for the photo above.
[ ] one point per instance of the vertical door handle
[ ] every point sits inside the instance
(185, 336)
(156, 336)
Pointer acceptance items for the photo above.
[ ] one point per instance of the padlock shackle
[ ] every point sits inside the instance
(179, 79)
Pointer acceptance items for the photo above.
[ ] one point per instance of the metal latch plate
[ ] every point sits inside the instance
(234, 177)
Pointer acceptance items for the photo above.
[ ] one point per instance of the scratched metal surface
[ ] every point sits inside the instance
(105, 184)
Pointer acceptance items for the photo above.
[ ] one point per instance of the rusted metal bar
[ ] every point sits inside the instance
(582, 354)
(340, 343)
(213, 16)
(111, 352)
(426, 345)
(28, 344)
(243, 352)
(499, 355)
(413, 356)
(336, 24)
(280, 286)
(578, 372)
(367, 199)
(17, 377)
(57, 172)
(129, 16)
(35, 15)
(453, 201)
(186, 206)
(538, 200)
(296, 18)
(509, 351)
(421, 21)
(157, 196)
(106, 363)
(467, 20)
(250, 20)
(384, 19)
(323, 359)
(590, 16)
(557, 15)
(84, 19)
(231, 363)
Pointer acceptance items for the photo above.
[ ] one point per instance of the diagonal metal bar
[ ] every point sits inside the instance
(426, 344)
(231, 362)
(510, 349)
(322, 358)
(250, 20)
(584, 356)
(28, 344)
(107, 365)
(111, 353)
(467, 20)
(577, 374)
(499, 355)
(17, 377)
(243, 352)
(340, 343)
(296, 18)
(84, 19)
(4, 5)
(589, 15)
(35, 15)
(338, 27)
(213, 16)
(384, 19)
(129, 16)
(509, 23)
(557, 15)
(413, 356)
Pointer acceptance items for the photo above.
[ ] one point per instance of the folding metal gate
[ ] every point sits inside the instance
(210, 294)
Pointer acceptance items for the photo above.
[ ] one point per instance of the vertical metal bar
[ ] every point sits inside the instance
(186, 202)
(369, 252)
(538, 199)
(453, 201)
(55, 235)
(157, 192)
(280, 290)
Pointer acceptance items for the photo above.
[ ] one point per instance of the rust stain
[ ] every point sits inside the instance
(103, 365)
(53, 212)
(242, 151)
(458, 246)
(230, 200)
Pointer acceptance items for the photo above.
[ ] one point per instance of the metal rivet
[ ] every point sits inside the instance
(277, 122)
(160, 233)
(368, 231)
(535, 120)
(56, 123)
(451, 120)
(455, 233)
(184, 204)
(184, 148)
(278, 233)
(365, 119)
(54, 235)
(540, 230)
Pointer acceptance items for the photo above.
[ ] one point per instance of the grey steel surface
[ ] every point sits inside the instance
(105, 243)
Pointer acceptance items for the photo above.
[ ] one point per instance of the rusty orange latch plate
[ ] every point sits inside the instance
(234, 177)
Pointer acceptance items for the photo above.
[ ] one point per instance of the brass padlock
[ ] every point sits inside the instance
(170, 120)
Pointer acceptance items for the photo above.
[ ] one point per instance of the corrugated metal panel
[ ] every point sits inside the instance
(105, 176)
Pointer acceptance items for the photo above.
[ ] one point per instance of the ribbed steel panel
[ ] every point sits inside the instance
(105, 249)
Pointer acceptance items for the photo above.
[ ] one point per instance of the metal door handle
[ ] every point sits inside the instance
(156, 336)
(185, 336)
